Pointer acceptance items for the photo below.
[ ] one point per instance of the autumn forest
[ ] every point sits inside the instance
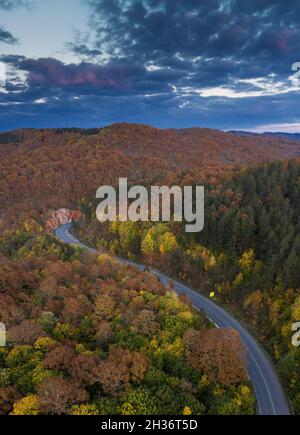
(89, 336)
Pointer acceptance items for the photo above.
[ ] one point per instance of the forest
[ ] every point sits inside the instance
(247, 255)
(49, 169)
(71, 317)
(87, 336)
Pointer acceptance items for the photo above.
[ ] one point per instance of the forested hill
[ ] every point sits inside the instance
(289, 136)
(59, 167)
(204, 146)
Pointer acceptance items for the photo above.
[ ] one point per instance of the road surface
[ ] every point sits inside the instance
(269, 393)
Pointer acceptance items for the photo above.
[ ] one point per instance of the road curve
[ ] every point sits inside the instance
(269, 393)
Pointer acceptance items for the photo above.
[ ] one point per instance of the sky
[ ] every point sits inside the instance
(223, 64)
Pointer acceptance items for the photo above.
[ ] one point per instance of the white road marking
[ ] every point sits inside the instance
(267, 387)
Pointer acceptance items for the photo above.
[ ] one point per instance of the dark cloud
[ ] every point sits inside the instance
(11, 4)
(113, 77)
(7, 5)
(253, 31)
(6, 36)
(84, 50)
(51, 72)
(150, 61)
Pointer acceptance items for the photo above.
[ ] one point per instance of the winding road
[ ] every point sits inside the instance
(269, 393)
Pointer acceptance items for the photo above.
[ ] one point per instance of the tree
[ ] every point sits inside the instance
(56, 395)
(120, 369)
(148, 245)
(104, 334)
(29, 405)
(85, 368)
(219, 353)
(129, 237)
(167, 243)
(145, 323)
(8, 396)
(84, 410)
(25, 333)
(232, 401)
(24, 363)
(247, 260)
(60, 358)
(187, 411)
(139, 402)
(105, 306)
(75, 308)
(48, 321)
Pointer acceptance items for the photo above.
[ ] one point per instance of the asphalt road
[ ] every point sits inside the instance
(269, 393)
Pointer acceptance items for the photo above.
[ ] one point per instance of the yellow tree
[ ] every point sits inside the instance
(29, 405)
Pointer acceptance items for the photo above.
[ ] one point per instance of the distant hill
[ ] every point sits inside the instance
(289, 136)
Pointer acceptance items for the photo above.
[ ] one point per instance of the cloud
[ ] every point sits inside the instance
(262, 32)
(275, 128)
(84, 51)
(8, 5)
(7, 37)
(259, 87)
(51, 72)
(41, 101)
(113, 77)
(223, 63)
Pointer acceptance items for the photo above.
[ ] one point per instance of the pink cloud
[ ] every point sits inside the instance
(51, 72)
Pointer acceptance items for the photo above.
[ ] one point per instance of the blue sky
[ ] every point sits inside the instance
(169, 63)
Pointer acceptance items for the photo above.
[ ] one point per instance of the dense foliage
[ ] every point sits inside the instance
(41, 169)
(8, 138)
(247, 255)
(89, 336)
